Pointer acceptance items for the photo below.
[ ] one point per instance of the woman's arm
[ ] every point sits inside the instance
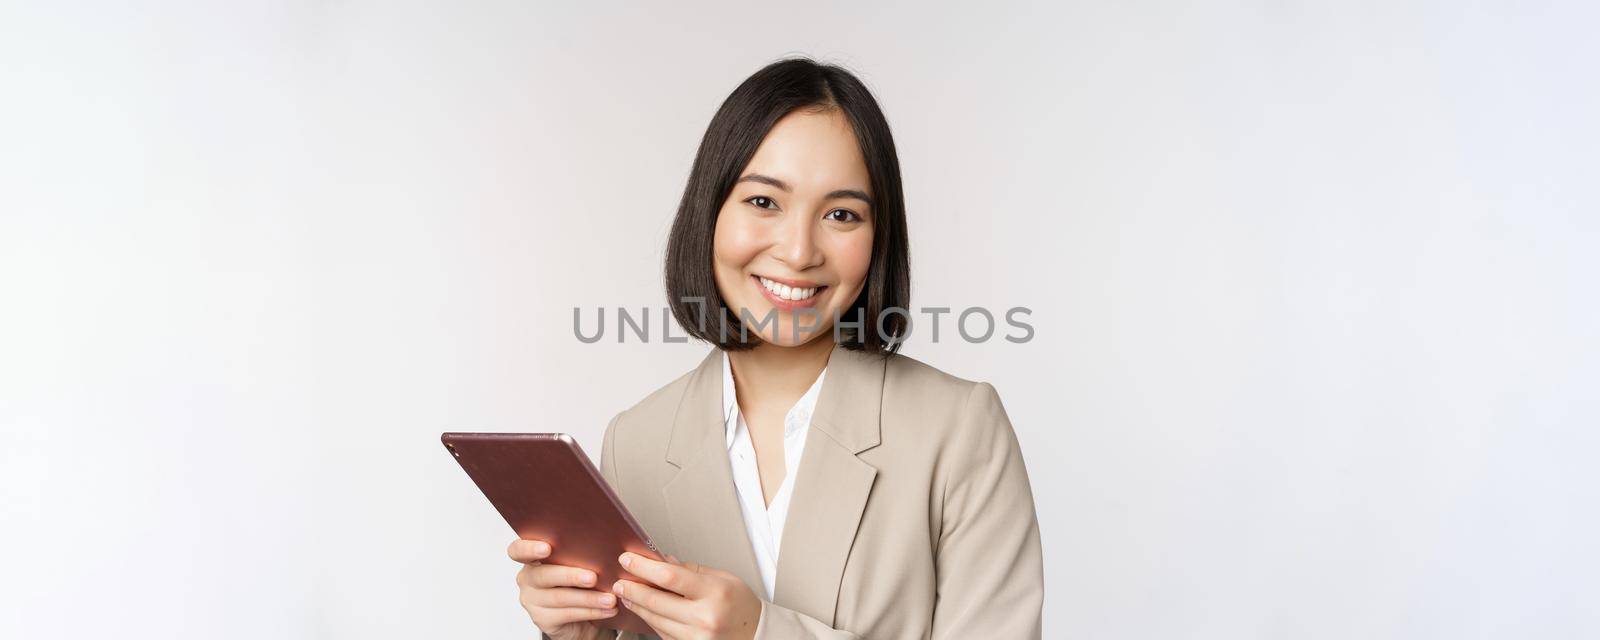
(608, 470)
(778, 622)
(990, 568)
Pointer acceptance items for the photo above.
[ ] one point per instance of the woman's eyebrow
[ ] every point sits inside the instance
(769, 180)
(850, 193)
(836, 193)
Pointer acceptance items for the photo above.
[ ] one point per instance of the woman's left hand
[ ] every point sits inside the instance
(686, 601)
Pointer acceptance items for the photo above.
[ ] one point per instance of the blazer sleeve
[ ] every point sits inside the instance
(608, 461)
(608, 470)
(778, 622)
(989, 566)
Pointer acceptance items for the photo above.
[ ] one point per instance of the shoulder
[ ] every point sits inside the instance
(650, 419)
(664, 400)
(906, 369)
(929, 414)
(954, 427)
(911, 382)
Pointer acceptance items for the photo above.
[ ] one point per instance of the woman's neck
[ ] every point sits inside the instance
(769, 372)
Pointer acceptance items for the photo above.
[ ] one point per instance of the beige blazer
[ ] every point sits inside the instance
(911, 515)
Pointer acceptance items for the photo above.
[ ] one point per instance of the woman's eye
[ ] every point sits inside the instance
(762, 201)
(842, 215)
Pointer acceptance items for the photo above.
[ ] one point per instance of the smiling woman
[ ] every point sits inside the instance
(770, 232)
(907, 513)
(814, 204)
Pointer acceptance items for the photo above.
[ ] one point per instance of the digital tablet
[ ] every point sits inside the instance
(546, 489)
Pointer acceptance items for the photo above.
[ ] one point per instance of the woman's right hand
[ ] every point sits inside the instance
(561, 600)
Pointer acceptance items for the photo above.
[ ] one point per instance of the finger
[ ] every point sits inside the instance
(568, 597)
(663, 603)
(526, 551)
(662, 574)
(708, 571)
(544, 576)
(663, 626)
(552, 618)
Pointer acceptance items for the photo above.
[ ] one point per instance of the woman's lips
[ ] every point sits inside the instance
(786, 297)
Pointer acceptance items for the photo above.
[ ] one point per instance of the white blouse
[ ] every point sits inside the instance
(762, 522)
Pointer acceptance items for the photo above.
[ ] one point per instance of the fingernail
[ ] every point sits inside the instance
(587, 579)
(626, 559)
(540, 547)
(607, 601)
(627, 603)
(617, 588)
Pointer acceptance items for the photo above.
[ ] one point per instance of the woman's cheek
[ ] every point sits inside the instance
(855, 258)
(848, 262)
(736, 241)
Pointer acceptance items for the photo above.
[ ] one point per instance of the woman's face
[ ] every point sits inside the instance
(794, 238)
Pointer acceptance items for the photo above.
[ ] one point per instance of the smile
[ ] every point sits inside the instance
(790, 293)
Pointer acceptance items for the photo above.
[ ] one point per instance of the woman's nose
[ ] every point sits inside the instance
(797, 246)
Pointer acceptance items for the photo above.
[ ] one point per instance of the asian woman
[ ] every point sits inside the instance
(806, 479)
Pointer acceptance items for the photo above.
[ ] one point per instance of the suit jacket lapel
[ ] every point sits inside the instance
(702, 503)
(830, 493)
(831, 486)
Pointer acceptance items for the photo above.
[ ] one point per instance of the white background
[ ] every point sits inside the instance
(1313, 286)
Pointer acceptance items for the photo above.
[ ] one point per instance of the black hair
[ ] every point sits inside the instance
(737, 129)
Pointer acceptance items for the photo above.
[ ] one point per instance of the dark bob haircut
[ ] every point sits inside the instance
(878, 318)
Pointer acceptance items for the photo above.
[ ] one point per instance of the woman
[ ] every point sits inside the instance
(895, 493)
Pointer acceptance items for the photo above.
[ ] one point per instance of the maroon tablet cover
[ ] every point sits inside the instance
(546, 489)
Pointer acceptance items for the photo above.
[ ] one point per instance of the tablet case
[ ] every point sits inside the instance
(547, 489)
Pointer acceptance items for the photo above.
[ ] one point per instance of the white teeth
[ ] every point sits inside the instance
(787, 292)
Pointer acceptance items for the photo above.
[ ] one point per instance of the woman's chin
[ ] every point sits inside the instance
(787, 337)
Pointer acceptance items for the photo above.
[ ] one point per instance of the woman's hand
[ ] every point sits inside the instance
(686, 601)
(561, 600)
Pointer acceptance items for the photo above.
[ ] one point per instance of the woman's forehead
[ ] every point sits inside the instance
(812, 152)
